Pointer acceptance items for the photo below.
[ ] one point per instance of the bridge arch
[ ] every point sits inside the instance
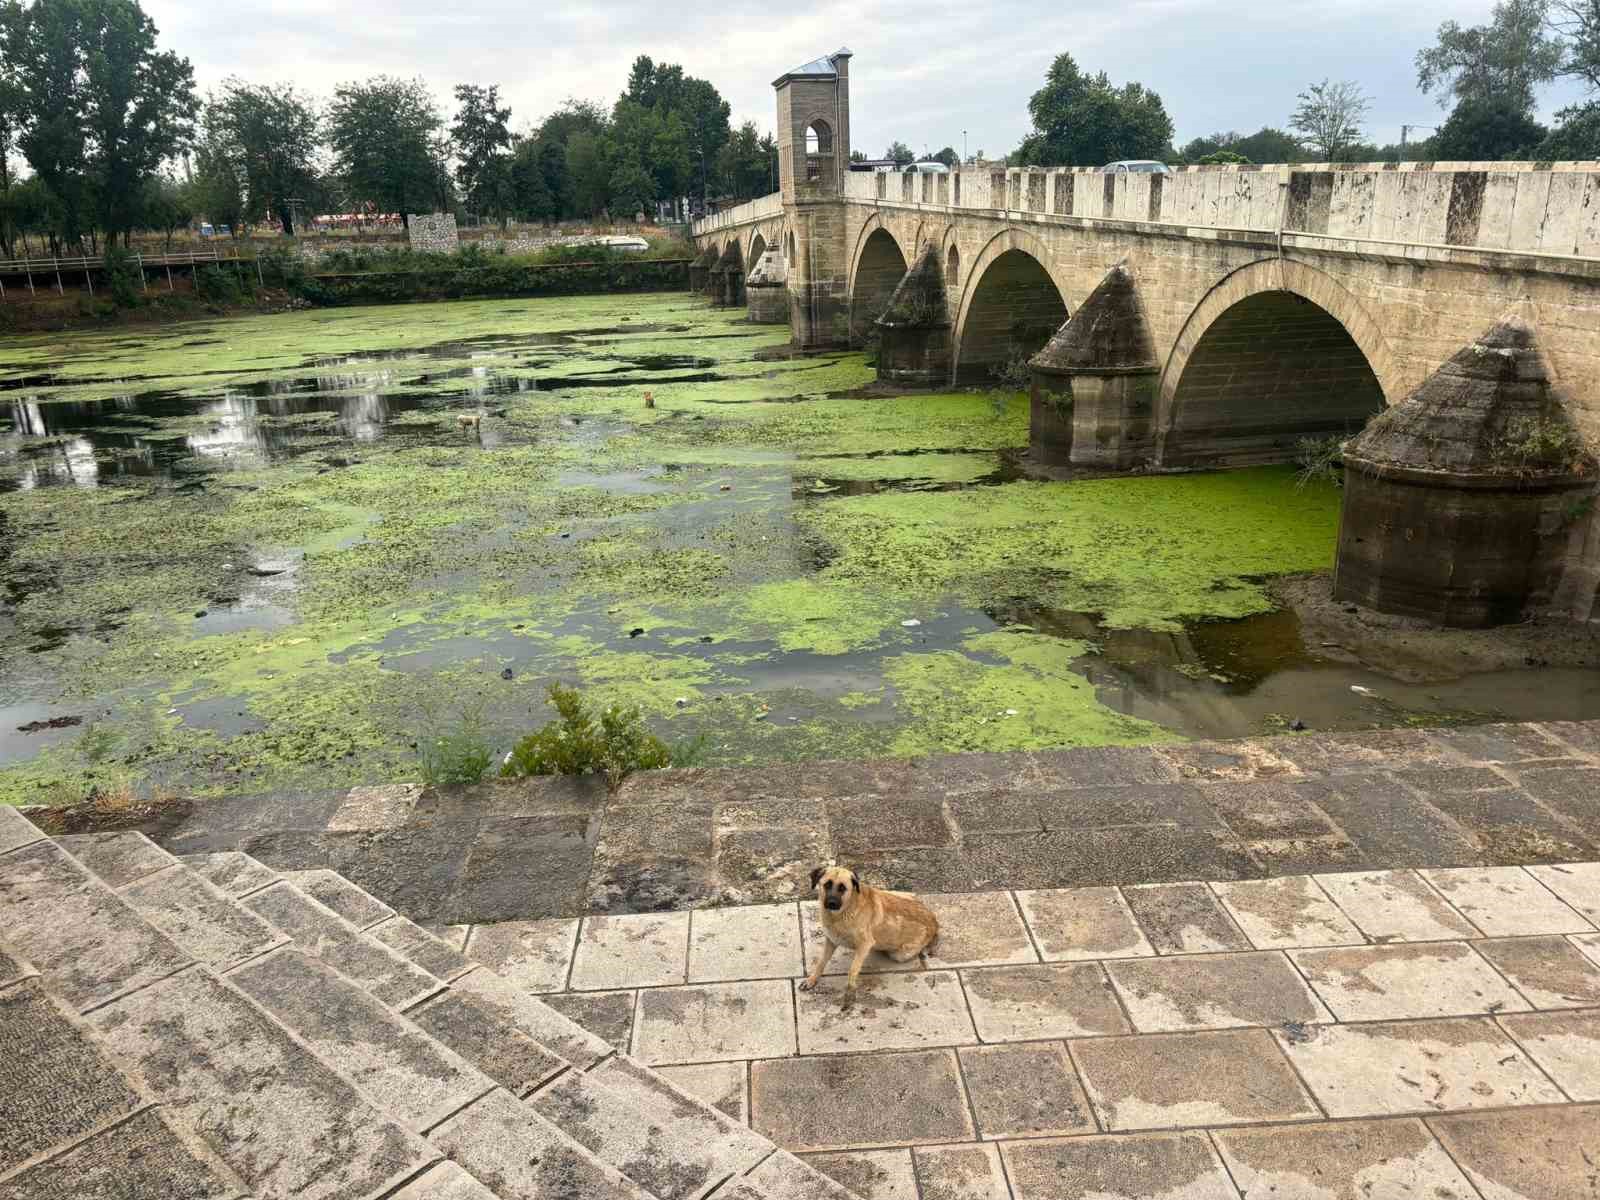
(1011, 303)
(1276, 352)
(876, 268)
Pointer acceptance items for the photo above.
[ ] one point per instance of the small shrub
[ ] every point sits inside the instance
(123, 278)
(217, 286)
(1539, 443)
(459, 753)
(1320, 460)
(1013, 371)
(576, 743)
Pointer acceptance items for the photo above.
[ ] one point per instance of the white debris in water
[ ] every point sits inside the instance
(912, 623)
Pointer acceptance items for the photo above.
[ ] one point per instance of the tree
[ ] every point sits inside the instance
(947, 156)
(1576, 135)
(166, 206)
(704, 113)
(858, 156)
(1486, 129)
(381, 133)
(1329, 118)
(1082, 120)
(217, 191)
(271, 135)
(745, 166)
(588, 173)
(1502, 61)
(532, 196)
(899, 153)
(1578, 21)
(481, 141)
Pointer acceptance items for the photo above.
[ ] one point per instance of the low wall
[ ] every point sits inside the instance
(457, 283)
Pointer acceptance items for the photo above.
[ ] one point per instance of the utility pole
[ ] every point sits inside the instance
(1405, 132)
(963, 147)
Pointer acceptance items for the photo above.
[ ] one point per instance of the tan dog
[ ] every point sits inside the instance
(866, 919)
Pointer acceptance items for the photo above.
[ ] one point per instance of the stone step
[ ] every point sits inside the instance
(409, 940)
(142, 1156)
(339, 894)
(234, 872)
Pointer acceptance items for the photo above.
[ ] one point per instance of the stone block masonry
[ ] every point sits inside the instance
(434, 233)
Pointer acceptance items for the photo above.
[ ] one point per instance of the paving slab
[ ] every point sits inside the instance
(142, 1156)
(318, 930)
(1365, 751)
(1532, 1154)
(274, 1113)
(889, 1012)
(77, 931)
(204, 921)
(1172, 1166)
(1183, 918)
(841, 1102)
(1509, 825)
(1165, 1081)
(514, 1008)
(757, 941)
(408, 1074)
(338, 893)
(415, 869)
(1073, 924)
(1214, 991)
(1549, 971)
(56, 1083)
(234, 872)
(117, 858)
(722, 1085)
(1565, 1044)
(1391, 825)
(525, 866)
(1382, 1069)
(13, 967)
(1097, 857)
(782, 1176)
(532, 955)
(1286, 913)
(1103, 807)
(409, 940)
(995, 812)
(1501, 743)
(1274, 810)
(524, 1156)
(1576, 883)
(1569, 791)
(1395, 906)
(863, 824)
(878, 963)
(636, 950)
(16, 830)
(766, 849)
(715, 1022)
(1090, 766)
(607, 1015)
(978, 929)
(1010, 1004)
(485, 1037)
(961, 1172)
(1423, 979)
(870, 1174)
(446, 1181)
(1353, 1160)
(1025, 1091)
(384, 806)
(1506, 901)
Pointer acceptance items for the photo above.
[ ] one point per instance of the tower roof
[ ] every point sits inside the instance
(1490, 411)
(826, 67)
(1107, 333)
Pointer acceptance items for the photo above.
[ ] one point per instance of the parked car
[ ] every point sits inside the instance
(627, 245)
(1136, 166)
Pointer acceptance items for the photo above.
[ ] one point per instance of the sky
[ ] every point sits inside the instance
(924, 71)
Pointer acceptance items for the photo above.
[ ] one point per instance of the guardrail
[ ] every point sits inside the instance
(49, 269)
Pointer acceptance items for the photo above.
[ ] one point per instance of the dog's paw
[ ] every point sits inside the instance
(805, 985)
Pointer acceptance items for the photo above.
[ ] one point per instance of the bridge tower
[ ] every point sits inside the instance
(813, 161)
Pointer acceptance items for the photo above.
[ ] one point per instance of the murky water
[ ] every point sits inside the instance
(278, 552)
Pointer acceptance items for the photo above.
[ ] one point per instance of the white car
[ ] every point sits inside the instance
(1136, 166)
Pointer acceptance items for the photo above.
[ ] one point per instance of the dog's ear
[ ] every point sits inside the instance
(816, 874)
(855, 881)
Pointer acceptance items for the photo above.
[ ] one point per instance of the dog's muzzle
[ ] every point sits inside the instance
(833, 905)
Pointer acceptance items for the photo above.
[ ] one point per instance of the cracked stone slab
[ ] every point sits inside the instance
(877, 963)
(1506, 901)
(1423, 979)
(757, 941)
(722, 1085)
(961, 1172)
(1286, 913)
(1171, 1166)
(1532, 1154)
(978, 929)
(116, 858)
(1042, 1001)
(1549, 971)
(203, 920)
(77, 931)
(1025, 1091)
(338, 893)
(1576, 883)
(636, 950)
(411, 941)
(533, 955)
(142, 1156)
(1395, 906)
(1183, 918)
(231, 870)
(870, 1174)
(386, 806)
(835, 1102)
(1214, 991)
(279, 1118)
(1073, 924)
(1158, 1082)
(714, 1022)
(1565, 1044)
(1355, 1160)
(1415, 1067)
(607, 1015)
(890, 1012)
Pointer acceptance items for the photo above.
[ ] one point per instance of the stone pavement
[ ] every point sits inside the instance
(1483, 795)
(1361, 1035)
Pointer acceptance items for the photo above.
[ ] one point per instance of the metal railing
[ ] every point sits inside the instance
(57, 269)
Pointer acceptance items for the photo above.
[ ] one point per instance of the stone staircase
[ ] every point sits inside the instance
(206, 1028)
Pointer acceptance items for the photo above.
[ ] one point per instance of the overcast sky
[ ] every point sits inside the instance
(924, 70)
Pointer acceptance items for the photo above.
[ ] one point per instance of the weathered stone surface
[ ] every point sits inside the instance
(1272, 809)
(995, 812)
(1110, 806)
(16, 830)
(862, 824)
(515, 1009)
(13, 966)
(1549, 971)
(834, 1102)
(1395, 906)
(232, 871)
(1287, 912)
(1214, 991)
(414, 869)
(1181, 1166)
(1083, 923)
(140, 1157)
(1427, 979)
(206, 924)
(890, 1012)
(1506, 902)
(446, 1181)
(1183, 918)
(1565, 1044)
(1102, 765)
(966, 1172)
(1145, 1082)
(1576, 883)
(56, 1084)
(1089, 857)
(116, 858)
(715, 1022)
(1025, 1091)
(637, 950)
(533, 955)
(722, 1085)
(978, 929)
(870, 1174)
(410, 941)
(382, 807)
(409, 1075)
(607, 1015)
(785, 1177)
(1502, 743)
(758, 941)
(279, 1118)
(1536, 1154)
(1415, 1066)
(1028, 1002)
(345, 898)
(1390, 825)
(1509, 825)
(522, 866)
(77, 931)
(1356, 1160)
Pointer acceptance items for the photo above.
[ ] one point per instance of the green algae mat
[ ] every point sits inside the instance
(277, 552)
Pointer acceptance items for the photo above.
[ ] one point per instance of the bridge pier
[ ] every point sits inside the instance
(914, 332)
(700, 268)
(729, 278)
(767, 290)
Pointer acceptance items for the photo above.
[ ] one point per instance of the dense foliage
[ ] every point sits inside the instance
(1083, 120)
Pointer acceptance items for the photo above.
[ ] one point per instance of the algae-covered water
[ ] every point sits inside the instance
(277, 551)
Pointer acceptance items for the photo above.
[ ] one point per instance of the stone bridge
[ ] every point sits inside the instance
(1277, 302)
